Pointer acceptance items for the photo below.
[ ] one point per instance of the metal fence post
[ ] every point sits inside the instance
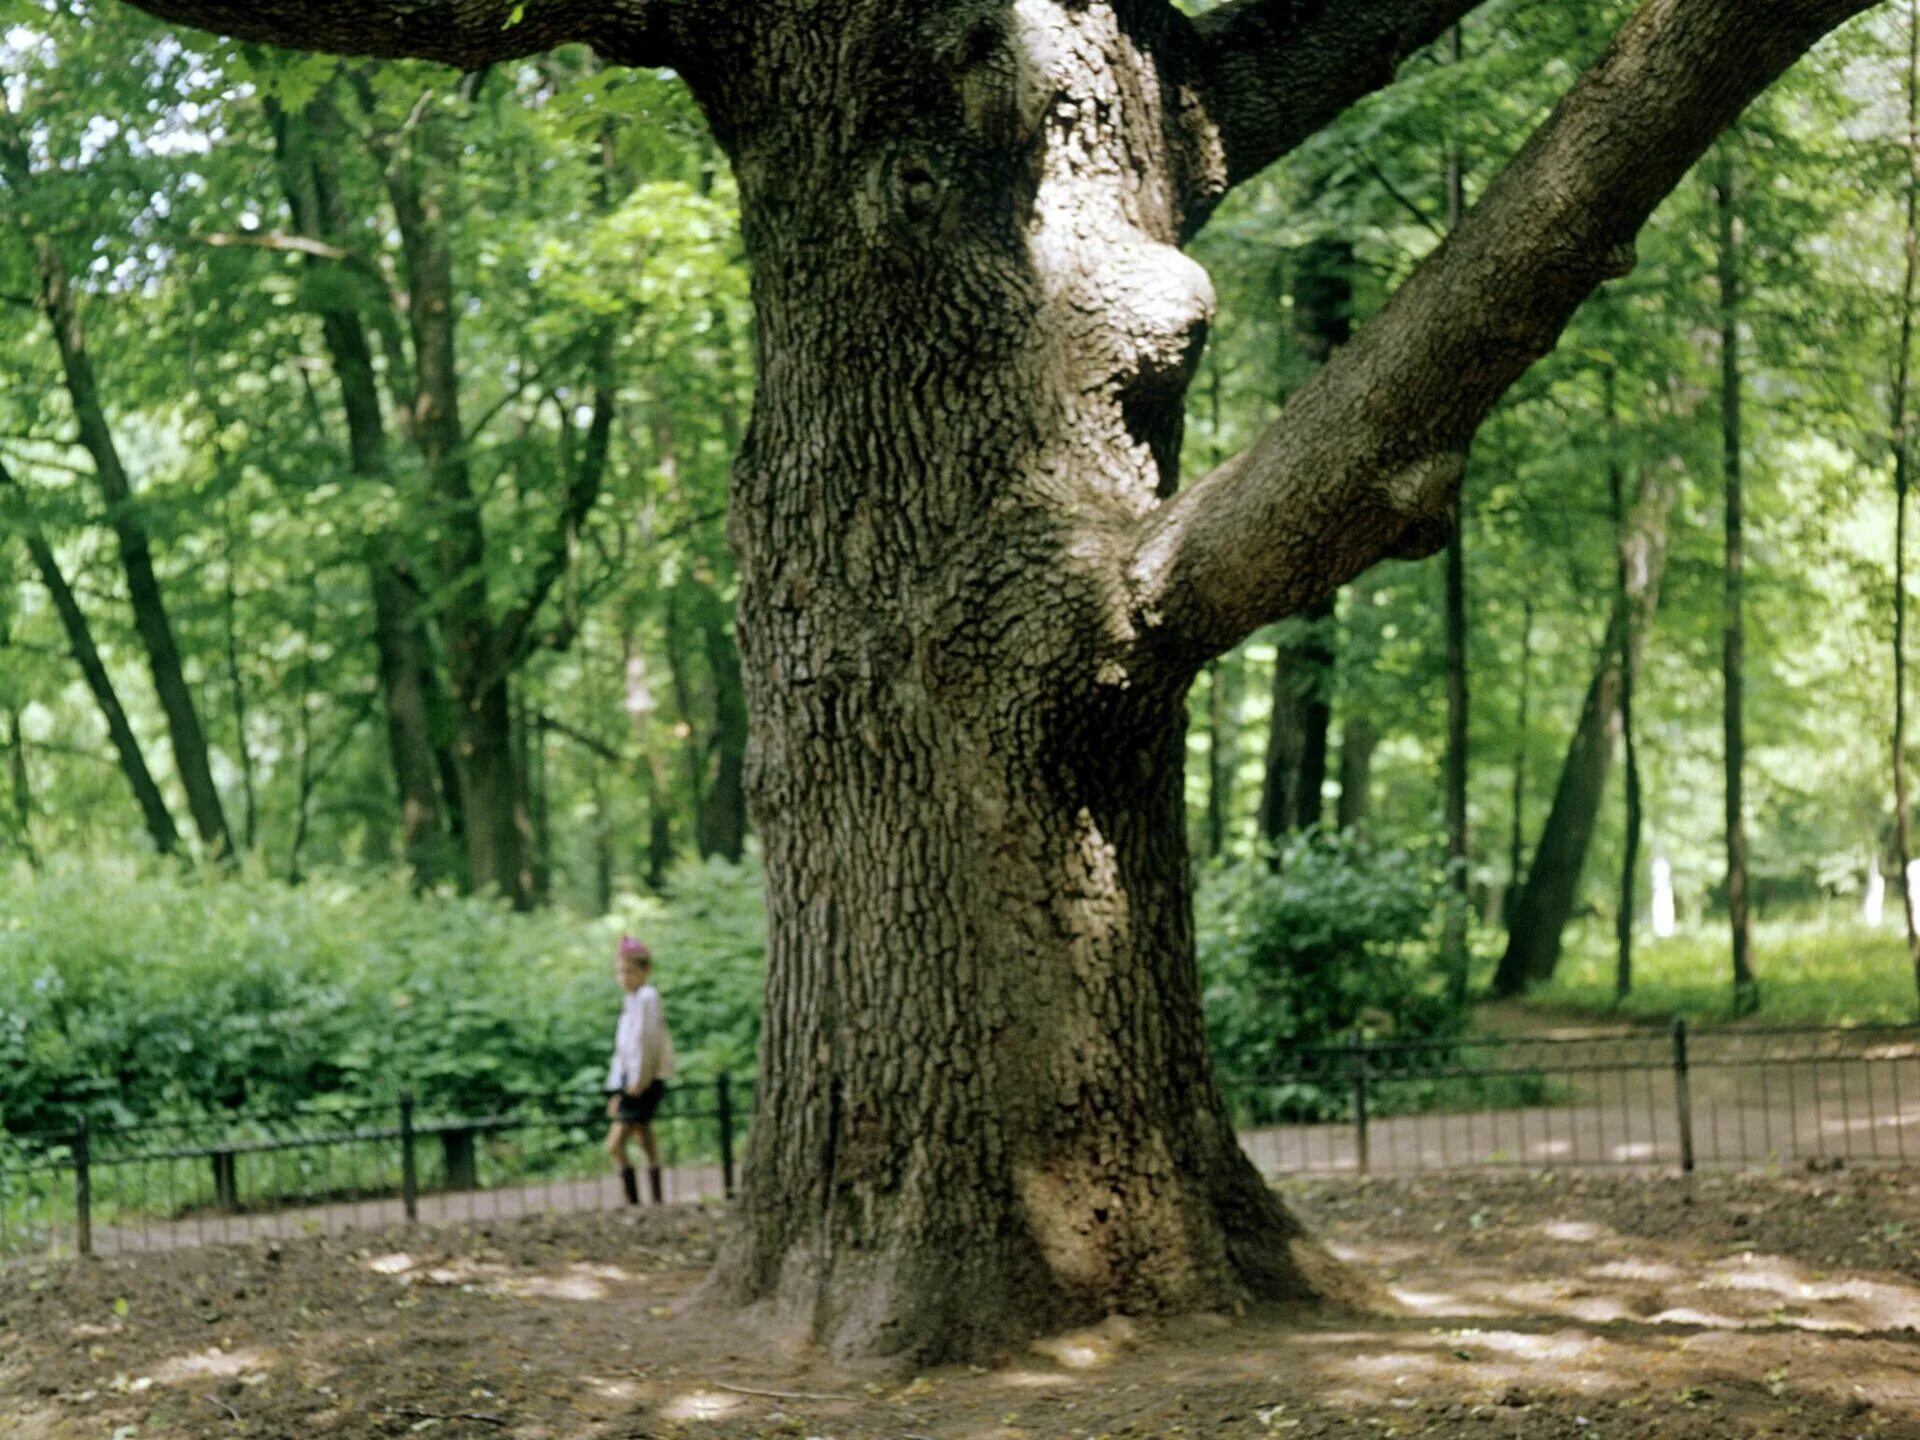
(82, 1148)
(723, 1093)
(1357, 1063)
(409, 1172)
(1682, 1098)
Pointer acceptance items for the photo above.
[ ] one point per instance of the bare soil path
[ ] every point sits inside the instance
(1617, 1307)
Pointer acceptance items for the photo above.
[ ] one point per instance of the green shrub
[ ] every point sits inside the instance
(1334, 940)
(134, 990)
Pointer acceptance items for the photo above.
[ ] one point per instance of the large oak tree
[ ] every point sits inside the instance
(975, 592)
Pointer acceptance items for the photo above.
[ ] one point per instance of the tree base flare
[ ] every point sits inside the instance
(920, 1302)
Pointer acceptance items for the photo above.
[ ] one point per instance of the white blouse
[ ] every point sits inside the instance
(642, 1048)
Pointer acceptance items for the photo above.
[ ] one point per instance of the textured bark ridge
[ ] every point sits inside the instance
(986, 1103)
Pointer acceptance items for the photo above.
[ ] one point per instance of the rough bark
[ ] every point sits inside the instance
(309, 170)
(1746, 995)
(1540, 910)
(150, 617)
(86, 654)
(968, 616)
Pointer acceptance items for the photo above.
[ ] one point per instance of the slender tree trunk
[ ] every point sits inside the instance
(310, 175)
(1516, 835)
(1629, 669)
(723, 813)
(22, 785)
(305, 779)
(1746, 991)
(1541, 908)
(1291, 797)
(1902, 484)
(693, 745)
(1302, 714)
(653, 767)
(1218, 763)
(150, 616)
(126, 747)
(1359, 738)
(1455, 956)
(418, 180)
(236, 684)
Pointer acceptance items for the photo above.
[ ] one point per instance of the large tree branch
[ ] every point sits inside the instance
(464, 33)
(1367, 457)
(1273, 73)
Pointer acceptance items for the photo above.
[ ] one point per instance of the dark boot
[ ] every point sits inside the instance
(653, 1184)
(630, 1182)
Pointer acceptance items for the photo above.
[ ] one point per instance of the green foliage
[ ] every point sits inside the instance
(130, 992)
(1333, 941)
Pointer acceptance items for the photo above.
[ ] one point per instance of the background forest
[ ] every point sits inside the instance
(364, 439)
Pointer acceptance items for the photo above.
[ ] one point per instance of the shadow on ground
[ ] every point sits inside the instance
(1531, 1306)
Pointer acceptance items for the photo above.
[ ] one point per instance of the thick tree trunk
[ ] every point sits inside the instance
(150, 616)
(1539, 912)
(126, 747)
(1746, 992)
(985, 1101)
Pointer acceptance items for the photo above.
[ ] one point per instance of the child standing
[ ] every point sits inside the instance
(642, 1064)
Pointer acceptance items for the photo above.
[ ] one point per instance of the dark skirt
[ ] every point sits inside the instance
(639, 1109)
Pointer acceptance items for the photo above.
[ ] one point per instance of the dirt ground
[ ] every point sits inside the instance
(1526, 1305)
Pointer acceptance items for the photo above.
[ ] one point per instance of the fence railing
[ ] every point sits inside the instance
(1680, 1099)
(170, 1183)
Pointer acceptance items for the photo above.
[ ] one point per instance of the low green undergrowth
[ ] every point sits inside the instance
(130, 991)
(1814, 969)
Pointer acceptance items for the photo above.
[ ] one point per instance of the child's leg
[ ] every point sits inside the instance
(617, 1137)
(653, 1163)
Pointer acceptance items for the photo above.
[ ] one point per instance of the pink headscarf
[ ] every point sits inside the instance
(632, 949)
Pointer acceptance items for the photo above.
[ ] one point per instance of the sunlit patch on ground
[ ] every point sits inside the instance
(702, 1405)
(1618, 1309)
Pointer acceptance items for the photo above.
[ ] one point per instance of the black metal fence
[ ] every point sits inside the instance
(1679, 1099)
(165, 1184)
(1751, 1097)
